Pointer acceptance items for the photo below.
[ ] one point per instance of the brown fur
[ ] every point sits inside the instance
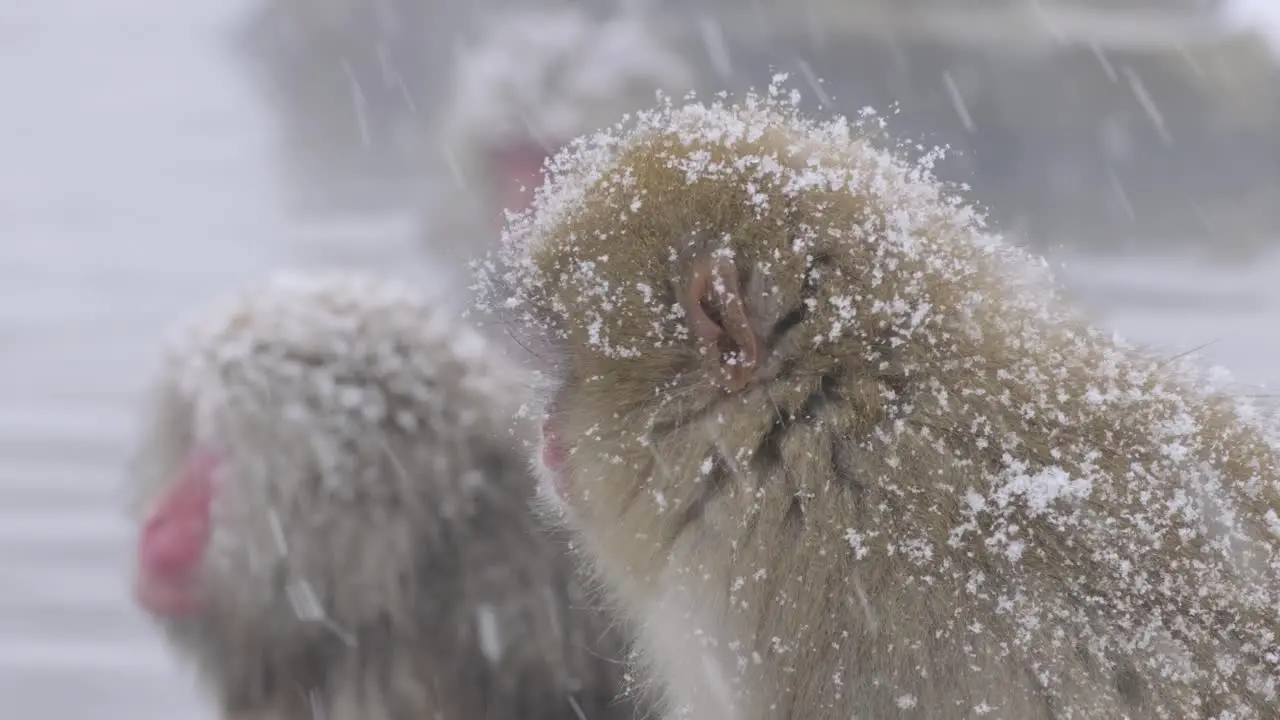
(374, 430)
(916, 485)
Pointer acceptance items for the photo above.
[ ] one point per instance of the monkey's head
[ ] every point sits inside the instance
(303, 449)
(693, 275)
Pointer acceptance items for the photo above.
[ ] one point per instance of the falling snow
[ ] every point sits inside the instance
(535, 73)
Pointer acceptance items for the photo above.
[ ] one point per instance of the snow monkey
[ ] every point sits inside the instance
(335, 518)
(840, 452)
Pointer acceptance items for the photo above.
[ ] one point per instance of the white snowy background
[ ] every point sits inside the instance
(135, 184)
(1263, 15)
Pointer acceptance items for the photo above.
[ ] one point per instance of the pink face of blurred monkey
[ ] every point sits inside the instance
(534, 81)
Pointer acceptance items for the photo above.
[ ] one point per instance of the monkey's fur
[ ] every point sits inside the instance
(378, 559)
(842, 454)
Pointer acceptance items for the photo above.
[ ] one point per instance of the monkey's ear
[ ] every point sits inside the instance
(717, 315)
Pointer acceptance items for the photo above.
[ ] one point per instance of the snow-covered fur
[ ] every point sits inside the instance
(842, 453)
(537, 78)
(375, 556)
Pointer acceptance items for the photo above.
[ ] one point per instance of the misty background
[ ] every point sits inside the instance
(155, 154)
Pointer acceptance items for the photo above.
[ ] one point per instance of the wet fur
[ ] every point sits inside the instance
(404, 506)
(806, 548)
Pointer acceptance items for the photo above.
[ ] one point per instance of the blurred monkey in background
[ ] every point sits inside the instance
(334, 518)
(536, 79)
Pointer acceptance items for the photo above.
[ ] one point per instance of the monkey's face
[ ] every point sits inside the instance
(265, 519)
(212, 545)
(653, 289)
(699, 278)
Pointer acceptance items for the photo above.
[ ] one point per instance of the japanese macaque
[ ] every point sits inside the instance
(536, 79)
(335, 518)
(840, 452)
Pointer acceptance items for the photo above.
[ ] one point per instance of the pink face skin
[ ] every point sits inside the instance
(519, 173)
(174, 539)
(554, 456)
